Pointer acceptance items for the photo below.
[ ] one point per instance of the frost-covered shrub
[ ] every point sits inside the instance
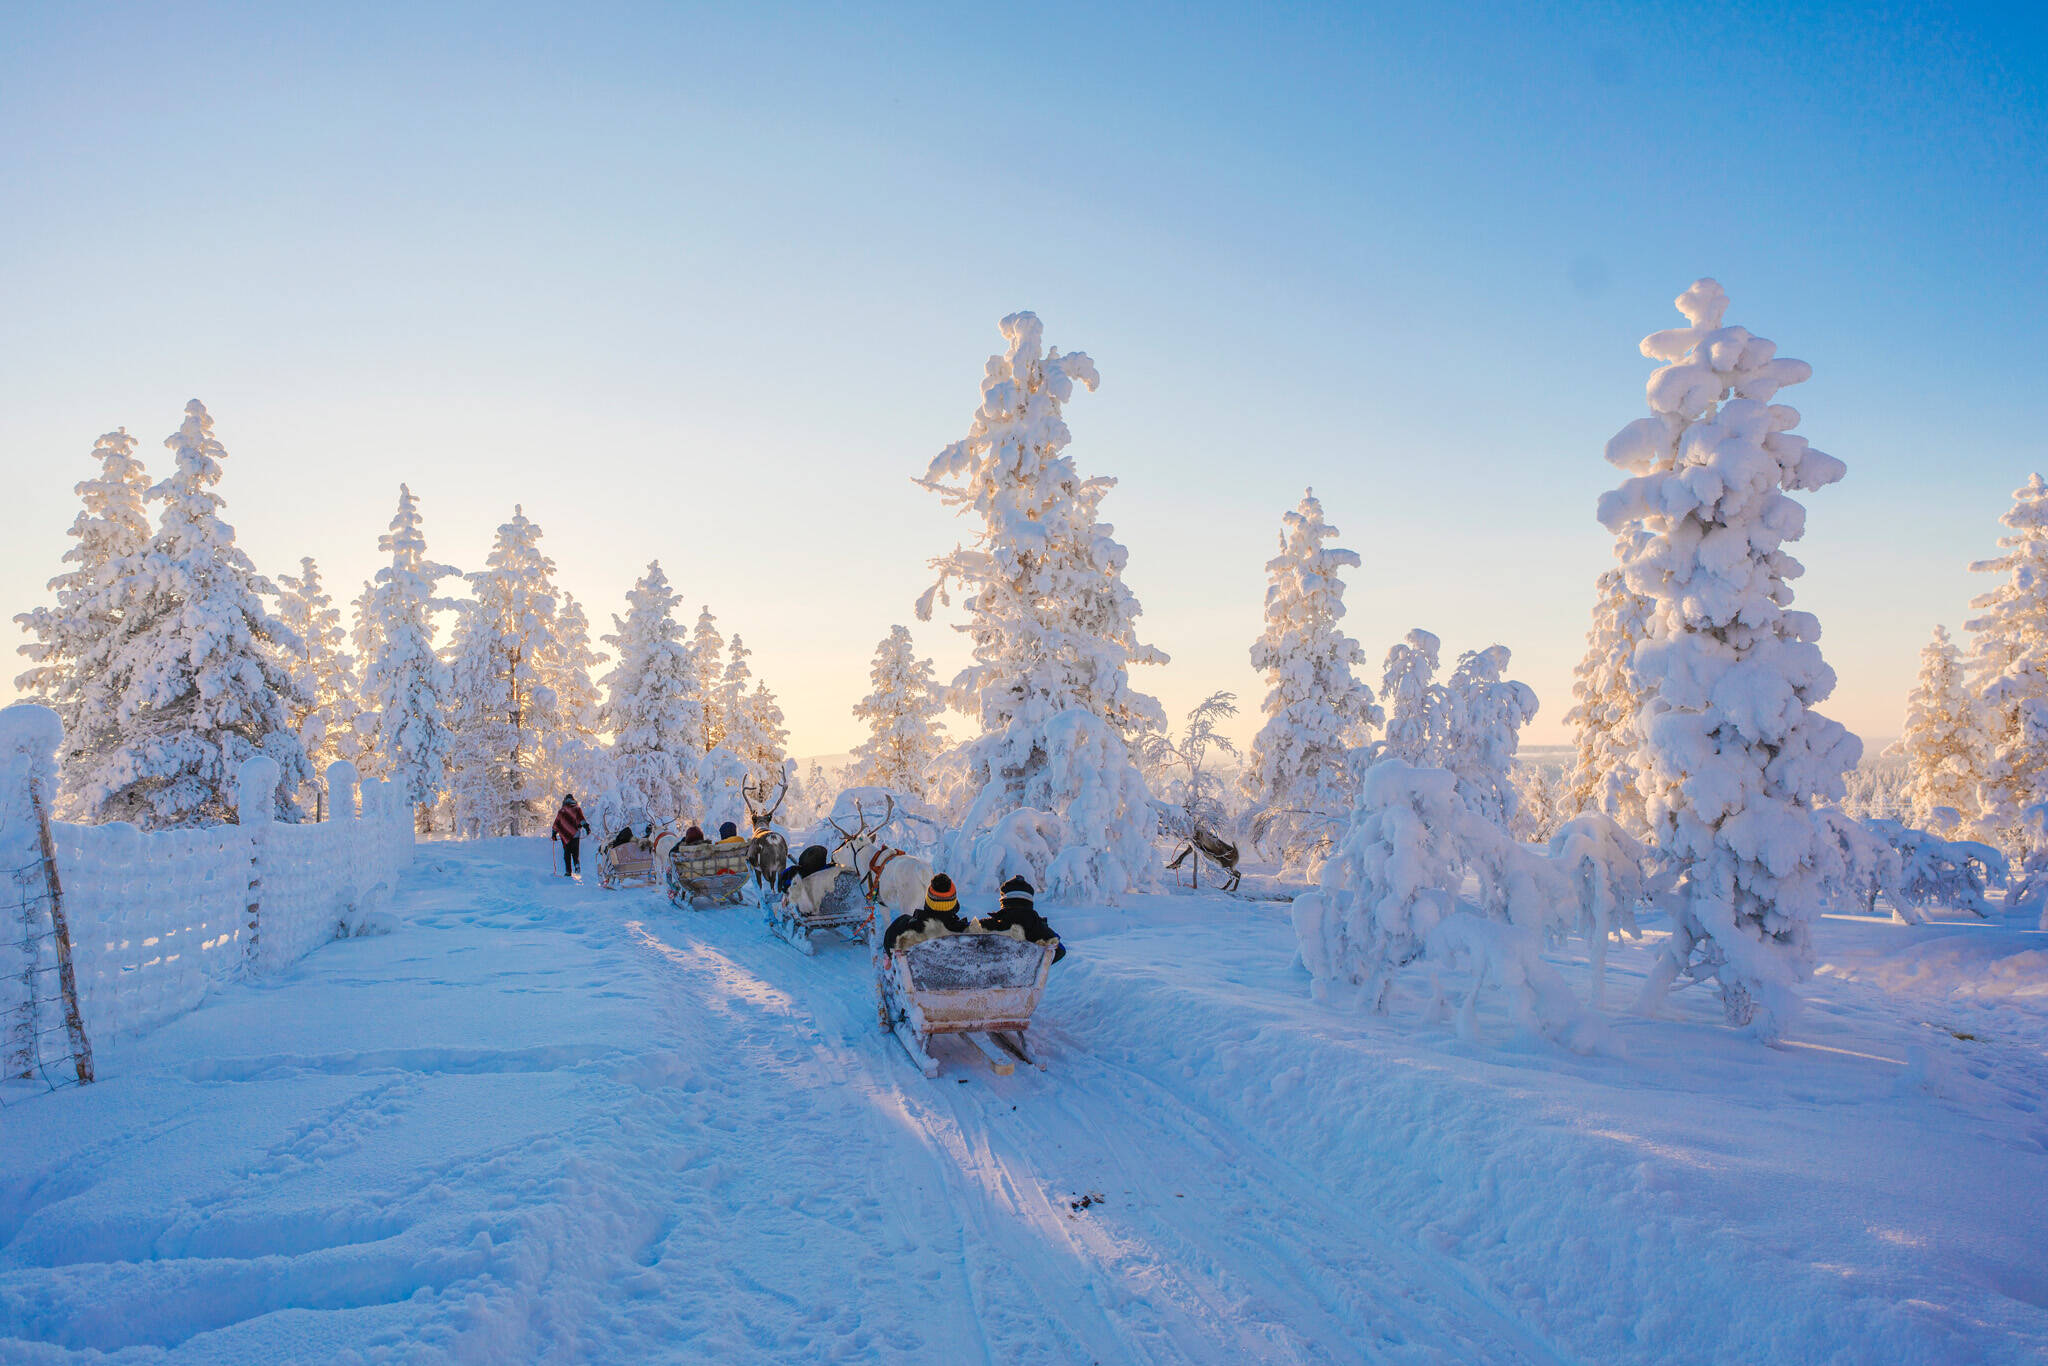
(1394, 892)
(1607, 702)
(1735, 761)
(1929, 871)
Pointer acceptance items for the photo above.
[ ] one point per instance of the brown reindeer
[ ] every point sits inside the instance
(768, 850)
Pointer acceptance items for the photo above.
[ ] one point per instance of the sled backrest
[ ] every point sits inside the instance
(704, 860)
(974, 962)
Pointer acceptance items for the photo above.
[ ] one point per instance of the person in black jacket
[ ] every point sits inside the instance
(939, 917)
(813, 859)
(1019, 919)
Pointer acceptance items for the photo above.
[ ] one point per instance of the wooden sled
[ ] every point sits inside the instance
(701, 876)
(982, 986)
(844, 908)
(639, 861)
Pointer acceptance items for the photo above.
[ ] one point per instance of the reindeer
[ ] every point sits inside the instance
(1196, 838)
(894, 878)
(768, 850)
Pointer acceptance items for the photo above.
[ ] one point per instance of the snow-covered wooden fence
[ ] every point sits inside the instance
(157, 920)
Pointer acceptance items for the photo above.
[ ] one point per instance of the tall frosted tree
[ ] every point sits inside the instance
(2009, 670)
(1607, 703)
(1941, 741)
(1317, 711)
(651, 705)
(1052, 623)
(707, 647)
(325, 713)
(199, 681)
(576, 756)
(73, 641)
(905, 735)
(1411, 695)
(1735, 760)
(406, 685)
(1481, 715)
(750, 720)
(504, 706)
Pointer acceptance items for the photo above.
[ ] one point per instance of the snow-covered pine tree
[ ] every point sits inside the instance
(766, 750)
(1053, 625)
(1479, 728)
(2009, 672)
(1607, 702)
(406, 686)
(1940, 741)
(707, 647)
(905, 735)
(651, 705)
(75, 639)
(1412, 698)
(198, 680)
(504, 707)
(1316, 710)
(576, 756)
(325, 714)
(1734, 759)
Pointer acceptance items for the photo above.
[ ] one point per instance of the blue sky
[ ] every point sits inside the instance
(713, 286)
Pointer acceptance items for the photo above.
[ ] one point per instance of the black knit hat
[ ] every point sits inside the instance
(1017, 889)
(727, 830)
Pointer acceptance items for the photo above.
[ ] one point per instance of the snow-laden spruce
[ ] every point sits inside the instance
(707, 648)
(905, 735)
(1478, 726)
(1734, 758)
(1408, 692)
(577, 760)
(651, 706)
(1053, 626)
(406, 684)
(74, 640)
(325, 713)
(751, 718)
(1941, 741)
(2009, 671)
(198, 681)
(503, 704)
(1298, 774)
(1608, 701)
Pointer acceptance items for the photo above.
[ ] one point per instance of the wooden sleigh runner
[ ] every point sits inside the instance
(844, 907)
(981, 986)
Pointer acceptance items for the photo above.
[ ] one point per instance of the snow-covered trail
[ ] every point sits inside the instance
(545, 1122)
(1203, 1247)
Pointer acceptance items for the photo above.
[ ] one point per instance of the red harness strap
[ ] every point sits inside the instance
(876, 864)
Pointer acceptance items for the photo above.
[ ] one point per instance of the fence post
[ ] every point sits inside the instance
(256, 811)
(30, 736)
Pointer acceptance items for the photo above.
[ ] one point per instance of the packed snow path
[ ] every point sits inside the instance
(545, 1122)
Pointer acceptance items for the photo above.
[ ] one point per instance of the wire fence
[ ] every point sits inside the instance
(42, 1043)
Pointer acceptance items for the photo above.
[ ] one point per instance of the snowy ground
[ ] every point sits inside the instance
(543, 1122)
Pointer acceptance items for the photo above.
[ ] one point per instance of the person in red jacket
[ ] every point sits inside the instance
(570, 828)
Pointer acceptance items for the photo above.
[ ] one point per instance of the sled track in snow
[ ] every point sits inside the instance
(1264, 1264)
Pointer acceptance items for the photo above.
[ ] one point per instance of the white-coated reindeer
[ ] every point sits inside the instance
(893, 878)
